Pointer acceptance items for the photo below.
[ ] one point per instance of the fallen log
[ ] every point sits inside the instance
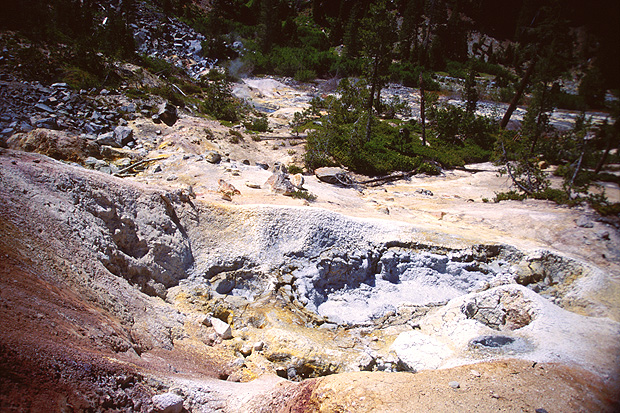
(388, 178)
(142, 162)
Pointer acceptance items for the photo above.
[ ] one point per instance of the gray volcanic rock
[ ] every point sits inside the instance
(167, 403)
(213, 157)
(167, 113)
(108, 139)
(336, 176)
(280, 183)
(123, 135)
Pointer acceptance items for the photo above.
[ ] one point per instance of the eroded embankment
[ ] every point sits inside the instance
(305, 291)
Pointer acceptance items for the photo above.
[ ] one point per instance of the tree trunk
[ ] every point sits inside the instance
(539, 118)
(371, 99)
(422, 109)
(518, 94)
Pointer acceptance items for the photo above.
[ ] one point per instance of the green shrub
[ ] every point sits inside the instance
(257, 123)
(235, 136)
(169, 93)
(510, 195)
(304, 194)
(294, 169)
(601, 204)
(160, 67)
(80, 79)
(409, 75)
(454, 125)
(218, 100)
(305, 75)
(456, 69)
(570, 102)
(556, 195)
(504, 94)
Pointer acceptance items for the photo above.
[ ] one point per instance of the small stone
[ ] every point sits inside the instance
(454, 384)
(246, 350)
(205, 320)
(258, 346)
(584, 222)
(252, 185)
(424, 192)
(227, 190)
(291, 373)
(221, 328)
(167, 403)
(44, 108)
(603, 235)
(475, 373)
(213, 157)
(541, 410)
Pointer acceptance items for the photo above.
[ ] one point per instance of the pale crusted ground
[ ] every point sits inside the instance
(456, 210)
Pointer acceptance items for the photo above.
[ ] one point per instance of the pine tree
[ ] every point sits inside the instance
(470, 90)
(377, 35)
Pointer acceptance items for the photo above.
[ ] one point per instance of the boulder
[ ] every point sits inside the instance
(167, 113)
(280, 184)
(55, 144)
(584, 222)
(336, 176)
(123, 135)
(108, 139)
(297, 180)
(167, 403)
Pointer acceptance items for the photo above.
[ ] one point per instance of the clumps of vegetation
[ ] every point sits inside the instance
(579, 155)
(294, 169)
(342, 139)
(257, 122)
(235, 136)
(304, 194)
(65, 40)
